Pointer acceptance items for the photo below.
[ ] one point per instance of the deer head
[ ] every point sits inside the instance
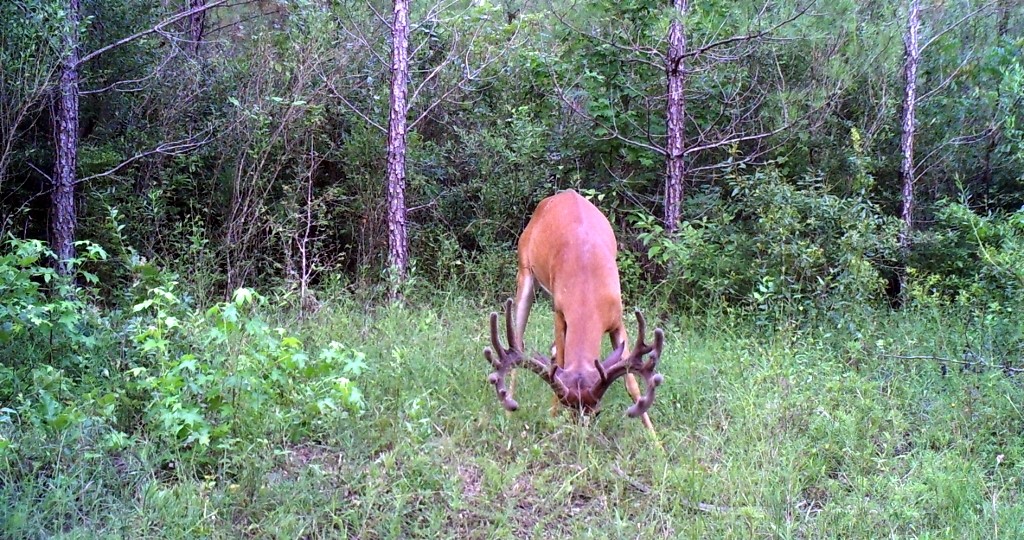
(582, 390)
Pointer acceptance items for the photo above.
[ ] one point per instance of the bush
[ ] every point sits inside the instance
(768, 244)
(970, 259)
(223, 377)
(200, 383)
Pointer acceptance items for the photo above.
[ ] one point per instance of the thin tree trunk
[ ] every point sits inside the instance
(1003, 12)
(675, 114)
(1002, 23)
(196, 25)
(63, 209)
(986, 160)
(911, 60)
(398, 249)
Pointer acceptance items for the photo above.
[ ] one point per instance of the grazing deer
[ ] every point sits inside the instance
(569, 249)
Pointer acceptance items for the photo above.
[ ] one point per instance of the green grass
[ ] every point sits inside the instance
(787, 430)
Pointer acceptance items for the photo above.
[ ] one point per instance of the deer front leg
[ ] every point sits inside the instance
(525, 284)
(558, 352)
(523, 301)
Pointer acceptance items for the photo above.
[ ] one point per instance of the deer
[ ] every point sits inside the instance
(569, 249)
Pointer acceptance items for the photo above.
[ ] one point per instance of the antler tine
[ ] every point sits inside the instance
(495, 344)
(505, 359)
(502, 359)
(651, 378)
(617, 365)
(641, 348)
(509, 327)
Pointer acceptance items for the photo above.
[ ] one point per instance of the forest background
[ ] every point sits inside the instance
(833, 188)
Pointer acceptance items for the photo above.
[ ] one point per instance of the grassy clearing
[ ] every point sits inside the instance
(763, 431)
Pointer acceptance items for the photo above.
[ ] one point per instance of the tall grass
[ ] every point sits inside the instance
(793, 429)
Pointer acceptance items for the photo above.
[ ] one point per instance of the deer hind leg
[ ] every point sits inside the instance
(618, 337)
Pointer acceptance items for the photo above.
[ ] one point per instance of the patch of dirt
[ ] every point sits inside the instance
(299, 457)
(813, 500)
(472, 479)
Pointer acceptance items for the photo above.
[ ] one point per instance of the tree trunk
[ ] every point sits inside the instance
(1002, 23)
(675, 114)
(986, 160)
(64, 219)
(196, 24)
(398, 249)
(1003, 14)
(911, 60)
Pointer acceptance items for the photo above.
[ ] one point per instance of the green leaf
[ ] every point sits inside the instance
(145, 304)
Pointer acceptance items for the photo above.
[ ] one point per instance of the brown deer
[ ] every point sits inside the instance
(569, 249)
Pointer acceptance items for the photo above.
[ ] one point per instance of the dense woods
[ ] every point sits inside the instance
(789, 165)
(253, 143)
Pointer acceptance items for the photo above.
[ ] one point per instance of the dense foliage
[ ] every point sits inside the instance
(158, 367)
(253, 158)
(260, 154)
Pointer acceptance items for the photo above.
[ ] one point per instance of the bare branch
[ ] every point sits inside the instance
(613, 132)
(737, 39)
(357, 34)
(118, 85)
(977, 361)
(437, 69)
(172, 148)
(468, 74)
(954, 25)
(259, 15)
(658, 61)
(380, 18)
(351, 106)
(38, 170)
(738, 139)
(158, 28)
(945, 82)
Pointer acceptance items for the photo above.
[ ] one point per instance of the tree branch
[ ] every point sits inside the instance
(155, 29)
(351, 106)
(172, 148)
(117, 85)
(737, 39)
(945, 82)
(954, 25)
(613, 131)
(969, 363)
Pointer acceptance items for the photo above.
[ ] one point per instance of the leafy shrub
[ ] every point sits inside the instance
(768, 243)
(196, 381)
(969, 258)
(975, 263)
(218, 378)
(43, 315)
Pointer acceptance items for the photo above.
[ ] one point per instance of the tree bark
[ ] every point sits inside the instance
(986, 160)
(196, 25)
(1003, 13)
(675, 115)
(912, 57)
(398, 250)
(1002, 23)
(64, 218)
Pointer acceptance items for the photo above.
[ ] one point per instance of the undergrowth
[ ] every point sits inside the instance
(160, 419)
